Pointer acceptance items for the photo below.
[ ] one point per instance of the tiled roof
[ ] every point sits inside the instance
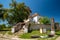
(36, 14)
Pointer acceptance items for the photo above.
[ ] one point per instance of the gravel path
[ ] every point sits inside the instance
(58, 38)
(11, 37)
(15, 39)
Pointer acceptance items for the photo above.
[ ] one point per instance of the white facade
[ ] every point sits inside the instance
(25, 29)
(13, 30)
(35, 19)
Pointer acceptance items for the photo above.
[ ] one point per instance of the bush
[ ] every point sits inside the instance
(3, 27)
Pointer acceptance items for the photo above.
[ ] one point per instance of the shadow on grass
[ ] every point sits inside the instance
(58, 33)
(4, 30)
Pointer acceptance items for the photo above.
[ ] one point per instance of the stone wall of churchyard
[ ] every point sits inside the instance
(57, 26)
(37, 26)
(48, 26)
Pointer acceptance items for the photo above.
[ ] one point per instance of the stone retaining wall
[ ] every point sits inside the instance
(37, 26)
(17, 27)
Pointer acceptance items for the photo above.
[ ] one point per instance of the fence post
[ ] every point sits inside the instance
(41, 30)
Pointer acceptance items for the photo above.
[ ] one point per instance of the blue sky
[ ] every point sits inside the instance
(49, 8)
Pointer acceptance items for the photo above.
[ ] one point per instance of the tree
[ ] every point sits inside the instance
(44, 20)
(2, 27)
(16, 13)
(1, 14)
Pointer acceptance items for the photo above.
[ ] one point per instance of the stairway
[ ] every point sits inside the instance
(20, 32)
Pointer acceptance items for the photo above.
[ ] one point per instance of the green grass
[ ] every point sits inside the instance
(6, 32)
(28, 35)
(58, 33)
(52, 38)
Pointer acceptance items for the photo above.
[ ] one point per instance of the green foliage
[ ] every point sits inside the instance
(44, 20)
(1, 14)
(1, 5)
(2, 26)
(16, 13)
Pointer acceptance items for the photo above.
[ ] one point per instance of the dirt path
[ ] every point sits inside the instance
(58, 38)
(14, 38)
(11, 37)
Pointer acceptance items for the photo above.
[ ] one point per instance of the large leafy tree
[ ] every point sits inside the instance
(16, 13)
(1, 10)
(2, 26)
(44, 20)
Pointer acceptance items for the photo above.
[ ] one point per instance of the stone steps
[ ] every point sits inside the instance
(20, 32)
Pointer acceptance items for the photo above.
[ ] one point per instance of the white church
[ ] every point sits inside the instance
(35, 18)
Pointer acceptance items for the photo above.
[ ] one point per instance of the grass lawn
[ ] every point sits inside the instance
(28, 35)
(5, 30)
